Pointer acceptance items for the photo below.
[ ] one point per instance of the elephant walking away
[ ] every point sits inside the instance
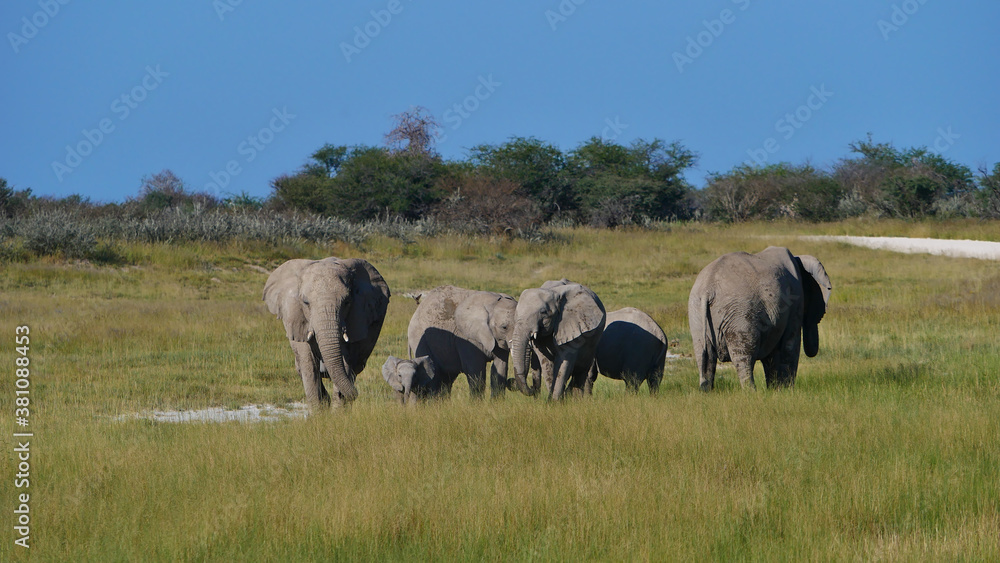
(632, 348)
(748, 307)
(561, 322)
(332, 310)
(413, 380)
(462, 330)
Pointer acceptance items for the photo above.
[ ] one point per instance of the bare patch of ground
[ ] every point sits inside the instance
(246, 413)
(982, 250)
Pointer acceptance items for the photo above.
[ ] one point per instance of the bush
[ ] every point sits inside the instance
(364, 183)
(482, 205)
(776, 191)
(164, 190)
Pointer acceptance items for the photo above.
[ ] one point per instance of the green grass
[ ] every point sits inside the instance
(885, 449)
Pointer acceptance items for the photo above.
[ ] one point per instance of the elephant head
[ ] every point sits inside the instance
(816, 288)
(412, 379)
(487, 320)
(548, 318)
(337, 304)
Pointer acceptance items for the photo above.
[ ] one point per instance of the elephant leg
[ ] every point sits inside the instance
(536, 373)
(474, 366)
(308, 367)
(588, 386)
(564, 365)
(744, 369)
(631, 383)
(707, 362)
(577, 383)
(498, 376)
(654, 377)
(546, 373)
(770, 365)
(785, 364)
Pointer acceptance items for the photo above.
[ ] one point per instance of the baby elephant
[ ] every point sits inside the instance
(633, 347)
(413, 380)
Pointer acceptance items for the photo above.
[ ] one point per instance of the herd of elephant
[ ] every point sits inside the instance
(742, 308)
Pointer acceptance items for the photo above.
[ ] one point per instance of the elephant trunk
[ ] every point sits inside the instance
(409, 396)
(520, 356)
(329, 338)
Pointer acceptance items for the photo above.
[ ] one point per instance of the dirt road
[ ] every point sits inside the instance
(956, 248)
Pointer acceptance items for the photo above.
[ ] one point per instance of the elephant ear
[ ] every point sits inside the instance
(552, 284)
(816, 287)
(816, 271)
(472, 321)
(426, 366)
(369, 300)
(391, 375)
(582, 312)
(281, 294)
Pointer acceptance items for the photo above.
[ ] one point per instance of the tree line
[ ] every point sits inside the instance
(524, 183)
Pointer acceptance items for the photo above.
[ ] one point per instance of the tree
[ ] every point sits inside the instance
(537, 167)
(989, 191)
(771, 192)
(907, 183)
(413, 132)
(615, 183)
(165, 190)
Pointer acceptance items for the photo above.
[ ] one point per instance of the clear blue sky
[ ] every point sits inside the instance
(183, 85)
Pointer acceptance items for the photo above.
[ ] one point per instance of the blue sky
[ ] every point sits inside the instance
(229, 94)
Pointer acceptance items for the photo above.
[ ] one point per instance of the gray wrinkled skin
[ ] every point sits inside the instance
(462, 330)
(748, 307)
(632, 348)
(560, 323)
(332, 310)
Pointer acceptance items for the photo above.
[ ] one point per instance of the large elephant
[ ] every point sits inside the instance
(333, 311)
(413, 380)
(633, 348)
(748, 307)
(462, 330)
(561, 322)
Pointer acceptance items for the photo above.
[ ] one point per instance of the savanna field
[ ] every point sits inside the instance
(884, 450)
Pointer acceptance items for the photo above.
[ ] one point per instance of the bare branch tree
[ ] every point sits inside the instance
(414, 132)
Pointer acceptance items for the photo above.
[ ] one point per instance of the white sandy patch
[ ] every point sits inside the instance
(955, 248)
(246, 413)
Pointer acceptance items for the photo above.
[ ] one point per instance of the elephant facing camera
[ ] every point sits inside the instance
(332, 310)
(413, 380)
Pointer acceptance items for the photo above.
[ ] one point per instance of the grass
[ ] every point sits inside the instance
(885, 449)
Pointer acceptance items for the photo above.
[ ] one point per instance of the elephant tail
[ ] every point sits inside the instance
(416, 296)
(710, 351)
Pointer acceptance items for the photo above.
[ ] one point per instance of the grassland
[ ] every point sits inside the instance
(885, 449)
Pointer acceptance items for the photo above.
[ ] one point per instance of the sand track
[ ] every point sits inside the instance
(955, 248)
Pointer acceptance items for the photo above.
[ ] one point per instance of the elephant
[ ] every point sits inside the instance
(461, 330)
(333, 311)
(560, 322)
(413, 380)
(748, 307)
(634, 348)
